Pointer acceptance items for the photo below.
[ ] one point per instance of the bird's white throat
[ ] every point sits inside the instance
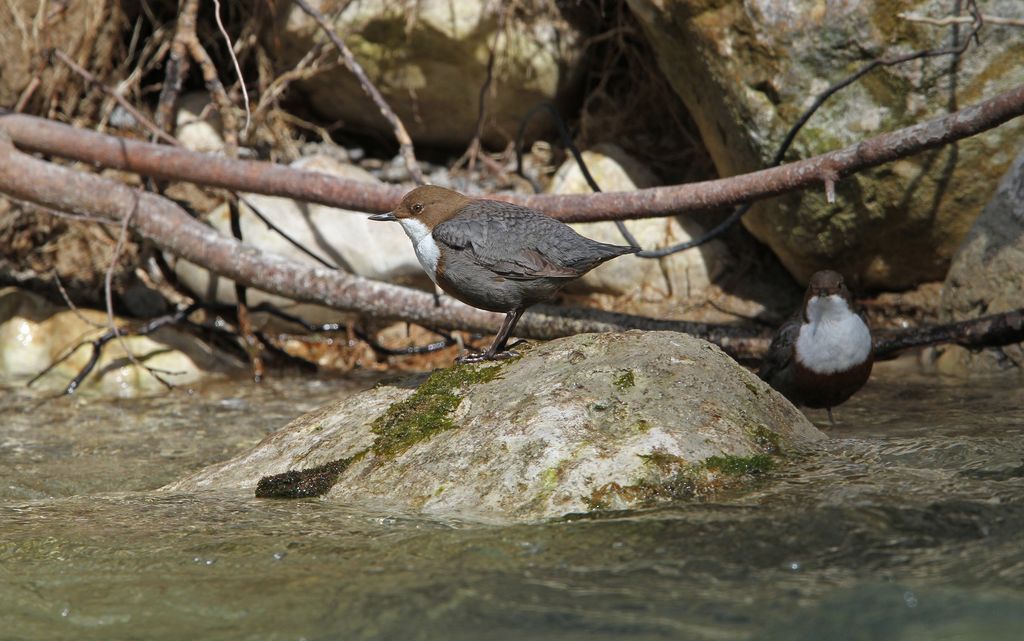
(423, 243)
(834, 338)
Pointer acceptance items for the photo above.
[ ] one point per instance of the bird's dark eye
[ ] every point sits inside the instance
(417, 208)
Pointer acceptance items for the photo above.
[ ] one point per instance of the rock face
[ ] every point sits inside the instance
(683, 274)
(987, 277)
(747, 69)
(587, 422)
(429, 59)
(346, 239)
(34, 334)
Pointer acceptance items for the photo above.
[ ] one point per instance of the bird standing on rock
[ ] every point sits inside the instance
(823, 355)
(495, 255)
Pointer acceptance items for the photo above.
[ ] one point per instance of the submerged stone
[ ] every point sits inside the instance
(595, 421)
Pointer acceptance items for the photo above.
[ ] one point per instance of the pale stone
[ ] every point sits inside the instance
(594, 420)
(35, 333)
(680, 275)
(345, 239)
(198, 124)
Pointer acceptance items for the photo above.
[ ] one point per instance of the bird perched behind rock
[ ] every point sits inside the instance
(823, 355)
(495, 255)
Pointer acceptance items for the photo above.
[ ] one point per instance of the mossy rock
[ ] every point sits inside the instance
(747, 71)
(595, 421)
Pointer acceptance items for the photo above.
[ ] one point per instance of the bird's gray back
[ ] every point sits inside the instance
(498, 232)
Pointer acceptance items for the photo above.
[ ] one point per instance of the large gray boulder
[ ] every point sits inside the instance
(595, 421)
(987, 277)
(747, 69)
(429, 59)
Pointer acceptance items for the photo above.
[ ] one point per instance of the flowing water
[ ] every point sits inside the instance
(908, 524)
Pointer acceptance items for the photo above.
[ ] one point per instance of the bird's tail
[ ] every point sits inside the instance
(614, 251)
(603, 252)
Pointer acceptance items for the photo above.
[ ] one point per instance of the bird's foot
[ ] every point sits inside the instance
(480, 357)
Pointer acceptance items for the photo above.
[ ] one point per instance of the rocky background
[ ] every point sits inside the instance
(654, 91)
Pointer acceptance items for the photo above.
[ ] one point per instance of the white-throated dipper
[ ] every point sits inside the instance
(495, 255)
(822, 355)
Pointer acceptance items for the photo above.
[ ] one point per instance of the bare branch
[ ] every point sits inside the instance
(170, 227)
(40, 135)
(993, 330)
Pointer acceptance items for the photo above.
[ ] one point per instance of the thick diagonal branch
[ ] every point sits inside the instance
(40, 135)
(170, 227)
(993, 330)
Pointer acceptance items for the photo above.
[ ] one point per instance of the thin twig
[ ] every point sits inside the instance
(177, 66)
(99, 342)
(234, 60)
(109, 299)
(127, 106)
(253, 346)
(470, 155)
(404, 141)
(71, 305)
(447, 339)
(949, 20)
(216, 89)
(306, 67)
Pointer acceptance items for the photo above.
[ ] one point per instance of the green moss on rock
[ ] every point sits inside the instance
(739, 465)
(298, 484)
(428, 410)
(625, 381)
(767, 440)
(642, 425)
(682, 480)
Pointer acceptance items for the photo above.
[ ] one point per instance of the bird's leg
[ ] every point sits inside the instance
(831, 421)
(497, 349)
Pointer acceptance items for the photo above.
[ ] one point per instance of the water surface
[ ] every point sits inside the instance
(906, 524)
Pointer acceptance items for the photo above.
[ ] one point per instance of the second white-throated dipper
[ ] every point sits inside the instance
(495, 255)
(823, 355)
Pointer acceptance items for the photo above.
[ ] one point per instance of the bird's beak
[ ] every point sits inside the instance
(390, 216)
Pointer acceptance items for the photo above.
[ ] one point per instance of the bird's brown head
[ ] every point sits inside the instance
(826, 283)
(427, 204)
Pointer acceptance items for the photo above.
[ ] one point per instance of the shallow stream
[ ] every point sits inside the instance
(908, 524)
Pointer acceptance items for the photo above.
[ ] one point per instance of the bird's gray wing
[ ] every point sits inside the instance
(512, 241)
(780, 352)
